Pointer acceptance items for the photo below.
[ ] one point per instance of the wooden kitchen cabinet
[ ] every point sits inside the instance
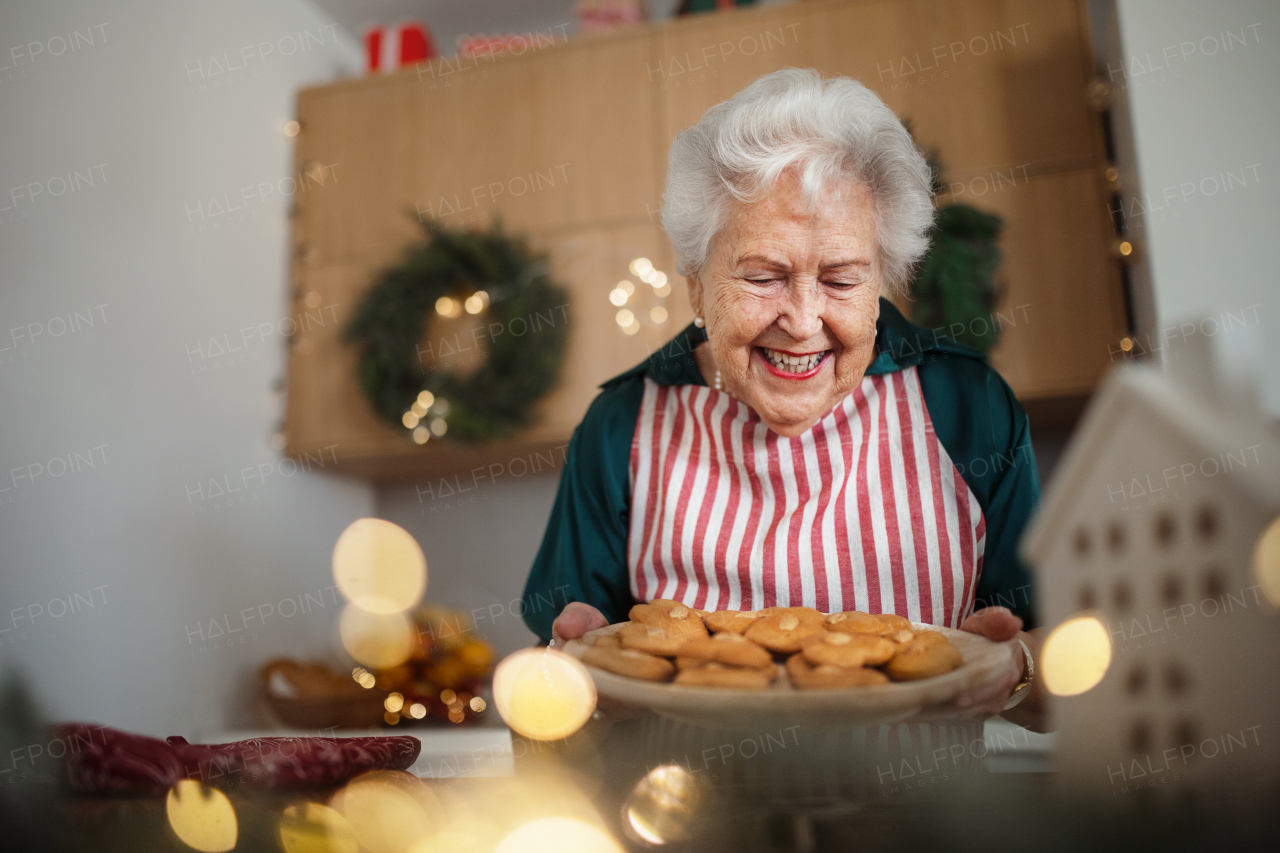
(567, 144)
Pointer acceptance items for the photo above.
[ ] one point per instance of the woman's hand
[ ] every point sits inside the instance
(999, 625)
(575, 620)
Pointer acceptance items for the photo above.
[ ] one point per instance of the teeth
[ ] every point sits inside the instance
(792, 363)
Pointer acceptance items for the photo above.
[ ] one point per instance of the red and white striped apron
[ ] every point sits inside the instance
(864, 511)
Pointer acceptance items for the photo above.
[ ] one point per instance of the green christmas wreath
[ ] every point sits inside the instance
(525, 330)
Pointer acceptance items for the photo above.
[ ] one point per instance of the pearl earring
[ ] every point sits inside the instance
(699, 322)
(718, 388)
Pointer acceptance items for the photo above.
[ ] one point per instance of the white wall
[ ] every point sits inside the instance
(480, 544)
(1199, 82)
(133, 533)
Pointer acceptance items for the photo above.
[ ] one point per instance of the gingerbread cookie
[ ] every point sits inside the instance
(929, 638)
(611, 641)
(807, 676)
(924, 657)
(712, 674)
(629, 662)
(783, 629)
(665, 635)
(847, 650)
(729, 649)
(896, 628)
(730, 621)
(661, 608)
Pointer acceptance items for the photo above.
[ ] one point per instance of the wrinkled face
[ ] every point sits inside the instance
(791, 299)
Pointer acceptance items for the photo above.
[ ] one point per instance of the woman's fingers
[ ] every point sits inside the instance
(991, 698)
(577, 619)
(995, 623)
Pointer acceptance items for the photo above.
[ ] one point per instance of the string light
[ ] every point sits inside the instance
(1266, 561)
(447, 306)
(379, 566)
(203, 819)
(1075, 657)
(543, 694)
(313, 828)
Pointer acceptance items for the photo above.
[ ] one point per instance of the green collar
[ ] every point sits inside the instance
(899, 344)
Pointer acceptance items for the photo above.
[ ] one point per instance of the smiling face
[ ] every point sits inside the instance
(790, 299)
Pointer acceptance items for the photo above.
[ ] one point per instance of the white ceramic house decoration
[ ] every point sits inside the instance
(1150, 526)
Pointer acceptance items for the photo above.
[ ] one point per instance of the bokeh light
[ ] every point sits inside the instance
(618, 296)
(379, 566)
(377, 640)
(477, 302)
(421, 435)
(410, 419)
(641, 266)
(313, 828)
(659, 279)
(543, 694)
(558, 835)
(658, 314)
(624, 318)
(447, 306)
(1075, 656)
(663, 804)
(202, 818)
(386, 811)
(426, 399)
(1266, 561)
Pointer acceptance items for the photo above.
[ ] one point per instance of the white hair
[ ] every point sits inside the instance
(829, 131)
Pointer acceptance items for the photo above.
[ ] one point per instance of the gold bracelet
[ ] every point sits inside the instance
(1023, 687)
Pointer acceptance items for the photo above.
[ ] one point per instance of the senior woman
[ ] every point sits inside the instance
(801, 442)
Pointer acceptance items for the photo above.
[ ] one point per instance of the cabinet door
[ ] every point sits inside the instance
(1062, 312)
(557, 139)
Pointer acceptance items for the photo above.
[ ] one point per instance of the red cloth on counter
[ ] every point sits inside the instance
(103, 761)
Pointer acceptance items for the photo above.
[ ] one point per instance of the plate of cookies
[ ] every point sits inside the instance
(730, 668)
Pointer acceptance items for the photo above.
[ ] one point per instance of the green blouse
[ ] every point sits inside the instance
(984, 429)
